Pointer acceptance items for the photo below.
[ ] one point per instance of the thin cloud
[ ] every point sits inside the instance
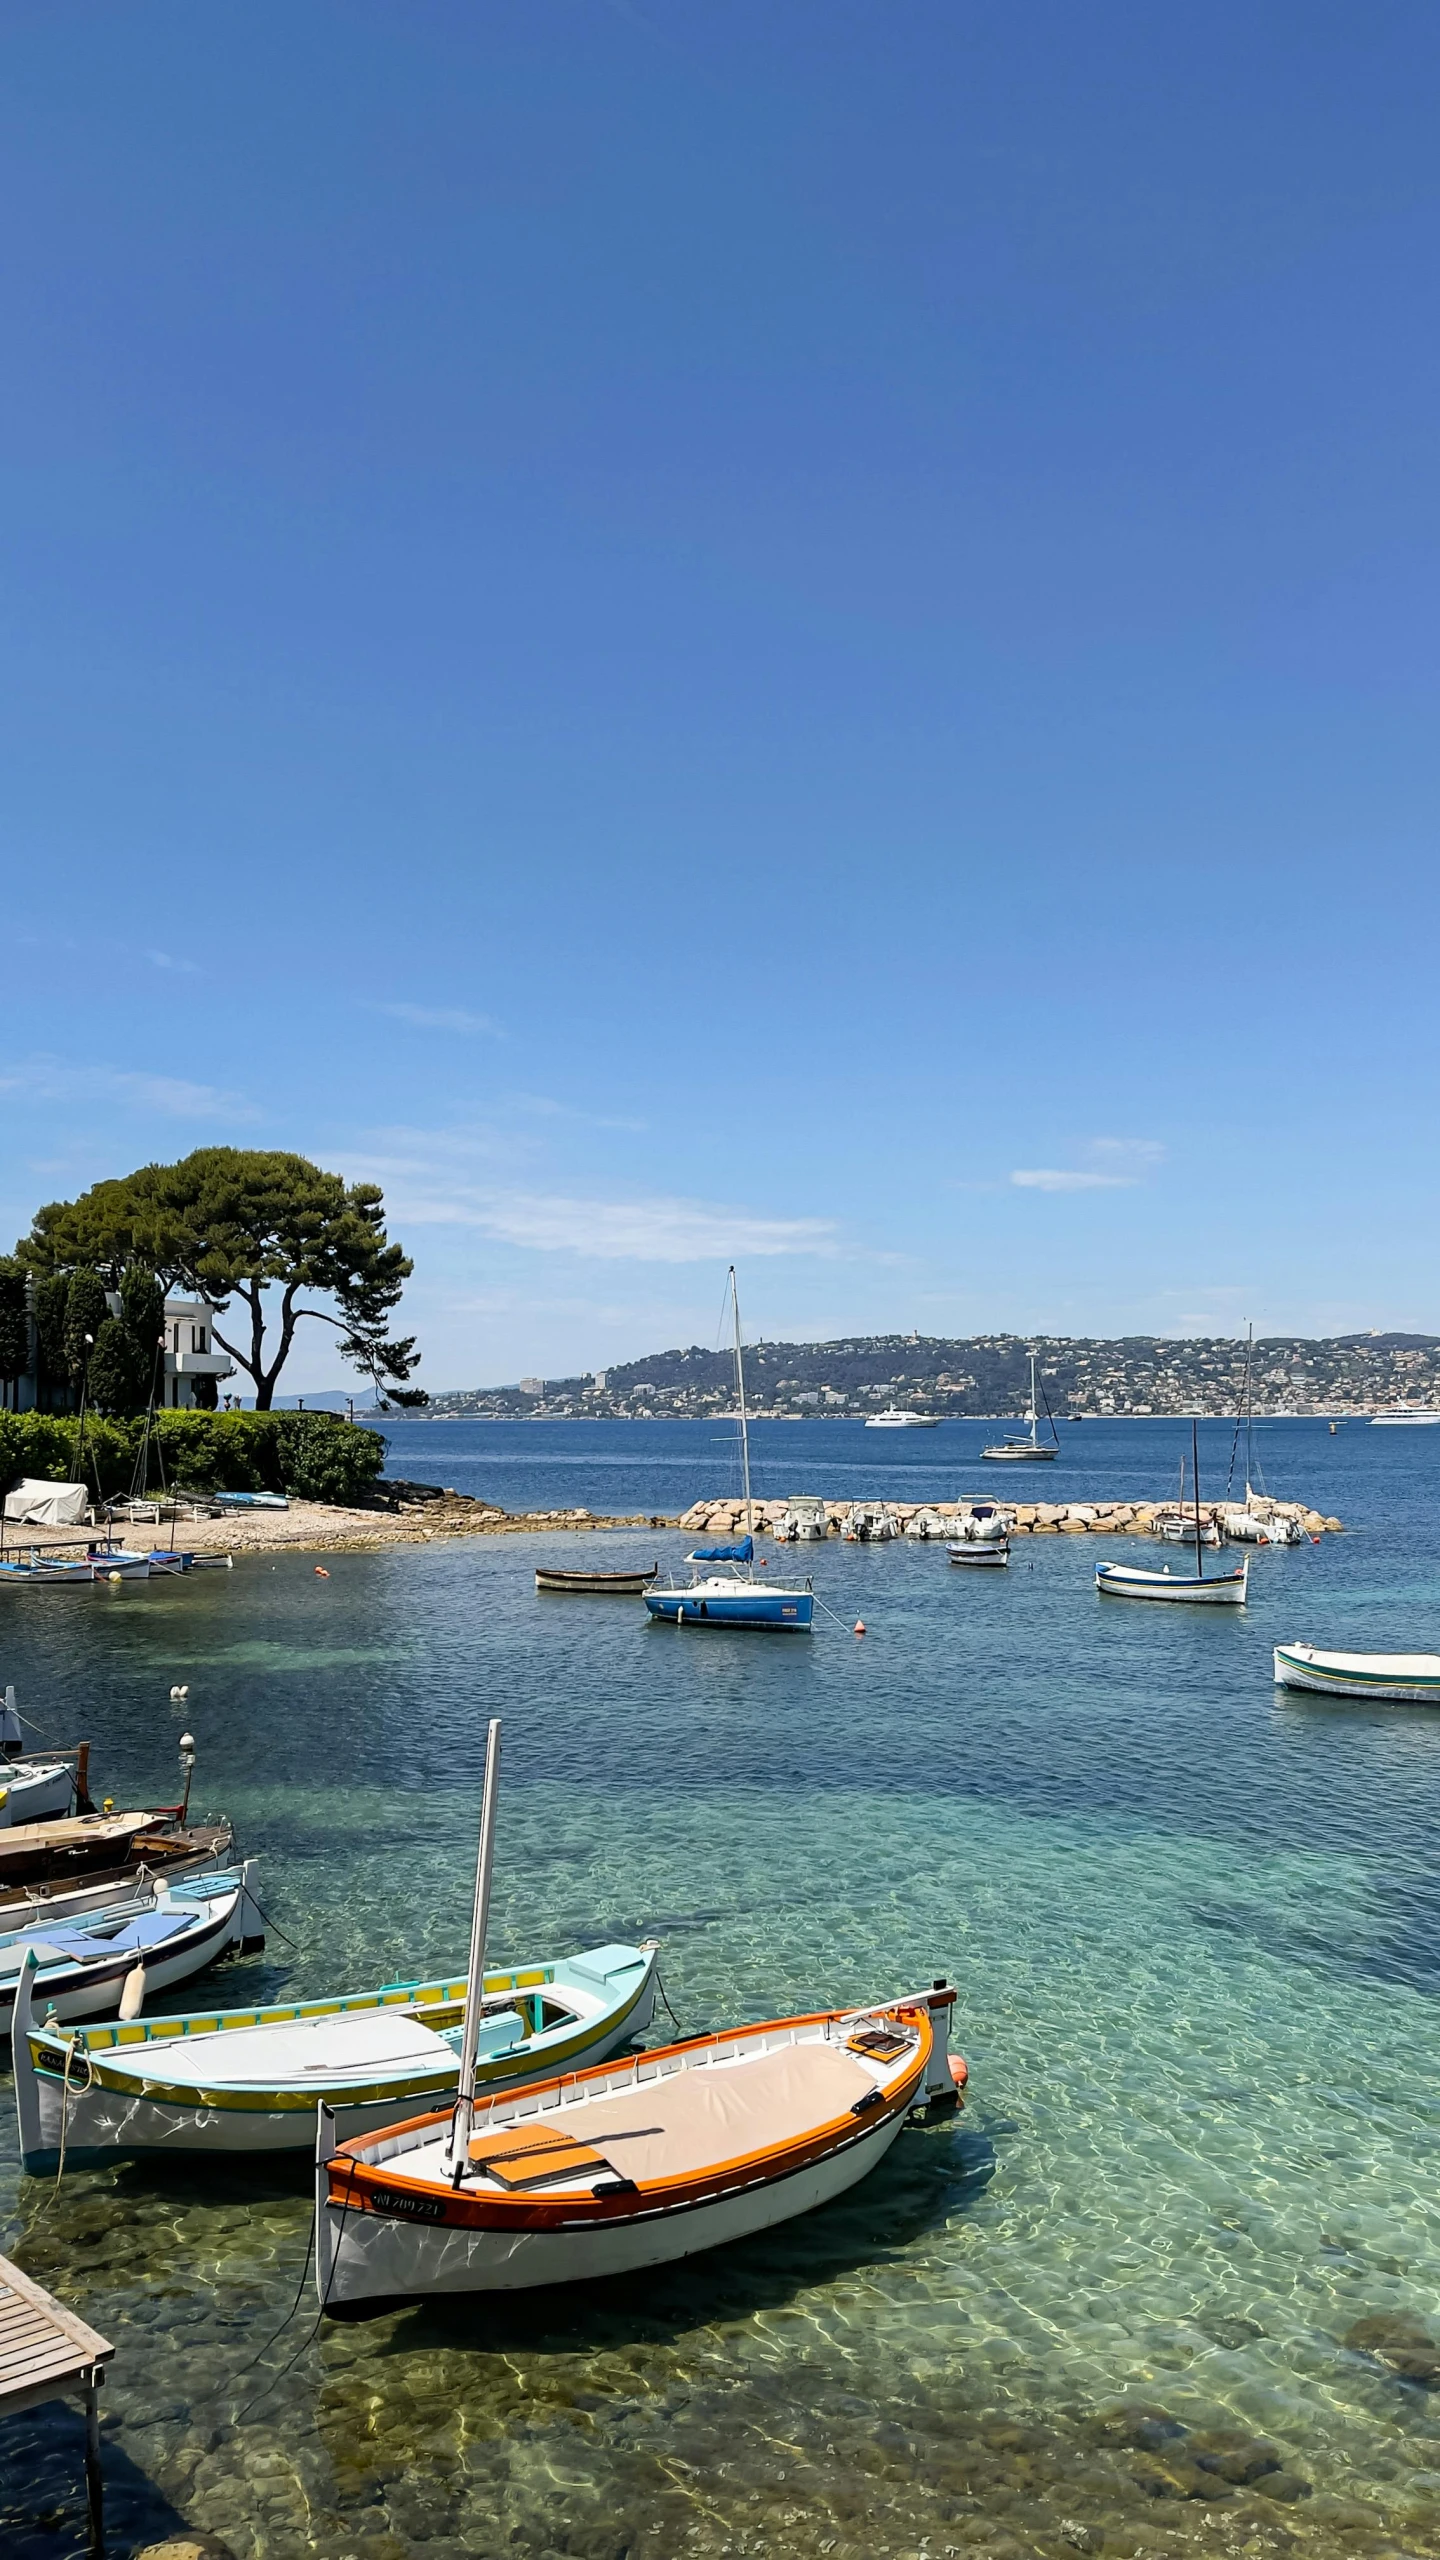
(653, 1230)
(546, 1109)
(169, 960)
(49, 1079)
(1110, 1164)
(442, 1017)
(1055, 1178)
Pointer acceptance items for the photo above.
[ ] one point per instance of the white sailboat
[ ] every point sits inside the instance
(735, 1598)
(1033, 1446)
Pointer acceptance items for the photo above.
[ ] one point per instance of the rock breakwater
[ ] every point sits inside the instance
(726, 1517)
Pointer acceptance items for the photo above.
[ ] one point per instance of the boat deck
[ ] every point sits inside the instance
(45, 2351)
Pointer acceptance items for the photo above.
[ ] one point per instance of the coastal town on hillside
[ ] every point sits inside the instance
(985, 1376)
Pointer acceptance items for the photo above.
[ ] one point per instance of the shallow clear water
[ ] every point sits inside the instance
(1196, 1929)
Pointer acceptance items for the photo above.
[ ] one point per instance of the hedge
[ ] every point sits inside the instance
(313, 1456)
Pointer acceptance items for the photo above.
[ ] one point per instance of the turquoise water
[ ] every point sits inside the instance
(1196, 1930)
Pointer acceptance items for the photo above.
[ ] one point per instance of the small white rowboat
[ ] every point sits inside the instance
(1413, 1679)
(633, 2166)
(979, 1551)
(1141, 1582)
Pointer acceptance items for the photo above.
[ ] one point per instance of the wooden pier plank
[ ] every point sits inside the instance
(44, 2351)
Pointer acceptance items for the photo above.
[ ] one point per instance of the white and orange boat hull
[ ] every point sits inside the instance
(391, 2225)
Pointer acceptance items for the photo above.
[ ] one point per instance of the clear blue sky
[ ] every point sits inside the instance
(799, 630)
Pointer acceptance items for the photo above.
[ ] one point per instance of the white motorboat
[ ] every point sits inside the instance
(1408, 1414)
(1032, 1447)
(34, 1791)
(928, 1524)
(872, 1522)
(894, 1418)
(803, 1521)
(1411, 1679)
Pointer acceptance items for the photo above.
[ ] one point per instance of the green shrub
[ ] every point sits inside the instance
(309, 1455)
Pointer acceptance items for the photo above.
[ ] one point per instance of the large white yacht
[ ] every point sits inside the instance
(894, 1419)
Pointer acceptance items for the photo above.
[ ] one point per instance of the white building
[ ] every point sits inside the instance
(191, 1351)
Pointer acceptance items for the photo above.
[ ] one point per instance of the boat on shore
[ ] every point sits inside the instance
(1033, 1447)
(629, 1582)
(1409, 1679)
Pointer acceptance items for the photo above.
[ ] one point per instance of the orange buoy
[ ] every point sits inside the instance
(959, 2070)
(323, 1572)
(859, 1626)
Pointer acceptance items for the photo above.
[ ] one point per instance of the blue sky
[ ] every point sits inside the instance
(805, 631)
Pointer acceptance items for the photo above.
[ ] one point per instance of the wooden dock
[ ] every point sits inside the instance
(44, 2351)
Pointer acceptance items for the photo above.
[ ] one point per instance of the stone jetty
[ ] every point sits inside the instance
(726, 1518)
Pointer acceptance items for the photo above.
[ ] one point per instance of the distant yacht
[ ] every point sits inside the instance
(1406, 1413)
(892, 1419)
(1033, 1446)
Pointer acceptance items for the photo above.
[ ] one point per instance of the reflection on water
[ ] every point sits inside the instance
(1195, 1931)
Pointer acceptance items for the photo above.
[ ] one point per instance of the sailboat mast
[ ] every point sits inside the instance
(744, 1425)
(1195, 1482)
(1034, 1408)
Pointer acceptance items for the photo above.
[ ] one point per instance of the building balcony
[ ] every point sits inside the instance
(199, 1364)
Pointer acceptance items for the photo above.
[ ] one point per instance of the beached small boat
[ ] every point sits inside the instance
(629, 2166)
(619, 1585)
(84, 1968)
(248, 2079)
(1141, 1582)
(1032, 1447)
(252, 1501)
(1410, 1679)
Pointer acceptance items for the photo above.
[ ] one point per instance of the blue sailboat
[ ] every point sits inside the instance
(732, 1598)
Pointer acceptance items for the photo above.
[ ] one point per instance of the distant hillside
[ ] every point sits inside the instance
(987, 1375)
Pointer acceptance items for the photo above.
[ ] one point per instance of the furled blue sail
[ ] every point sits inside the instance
(743, 1554)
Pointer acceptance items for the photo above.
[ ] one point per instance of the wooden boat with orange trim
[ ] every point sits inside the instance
(630, 2165)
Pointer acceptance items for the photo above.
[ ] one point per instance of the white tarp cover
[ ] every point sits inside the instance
(51, 1505)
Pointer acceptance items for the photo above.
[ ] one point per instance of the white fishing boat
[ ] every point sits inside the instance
(1137, 1582)
(895, 1418)
(118, 1959)
(677, 2151)
(733, 1598)
(980, 1551)
(1032, 1447)
(30, 1790)
(1410, 1679)
(1142, 1582)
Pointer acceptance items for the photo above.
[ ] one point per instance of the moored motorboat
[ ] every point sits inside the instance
(803, 1522)
(629, 1582)
(871, 1523)
(1410, 1679)
(630, 2166)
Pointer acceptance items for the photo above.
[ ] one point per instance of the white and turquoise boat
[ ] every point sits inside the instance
(248, 2079)
(1410, 1679)
(733, 1598)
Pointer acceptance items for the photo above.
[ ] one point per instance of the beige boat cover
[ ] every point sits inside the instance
(690, 2121)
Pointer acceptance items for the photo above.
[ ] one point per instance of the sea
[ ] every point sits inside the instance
(1172, 2278)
